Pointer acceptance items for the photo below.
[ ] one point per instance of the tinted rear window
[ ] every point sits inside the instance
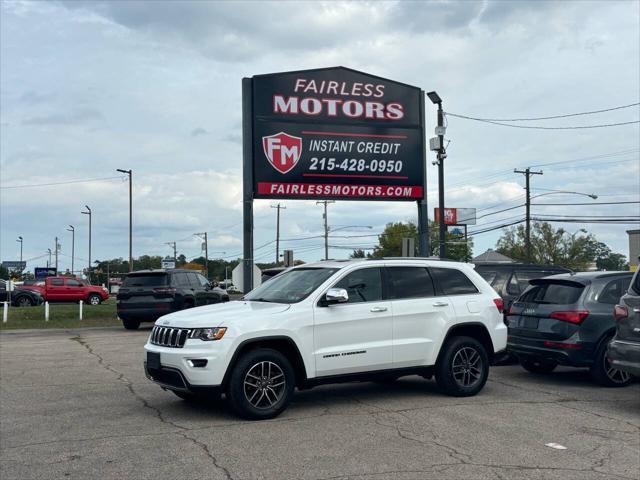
(151, 280)
(452, 281)
(553, 293)
(410, 282)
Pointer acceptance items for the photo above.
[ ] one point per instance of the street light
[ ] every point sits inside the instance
(130, 173)
(73, 245)
(435, 99)
(49, 262)
(20, 241)
(88, 212)
(553, 192)
(331, 229)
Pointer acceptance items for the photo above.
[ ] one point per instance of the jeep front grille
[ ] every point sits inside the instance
(169, 336)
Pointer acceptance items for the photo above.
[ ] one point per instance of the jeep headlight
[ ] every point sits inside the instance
(208, 334)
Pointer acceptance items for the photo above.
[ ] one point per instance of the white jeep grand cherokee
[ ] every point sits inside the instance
(333, 322)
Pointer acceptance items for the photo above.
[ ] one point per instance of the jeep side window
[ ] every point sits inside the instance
(452, 281)
(410, 282)
(364, 285)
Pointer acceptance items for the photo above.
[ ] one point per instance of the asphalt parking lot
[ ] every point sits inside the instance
(76, 404)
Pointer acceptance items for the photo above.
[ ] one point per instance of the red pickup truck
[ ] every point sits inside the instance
(69, 289)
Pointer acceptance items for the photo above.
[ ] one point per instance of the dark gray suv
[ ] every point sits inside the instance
(568, 320)
(624, 349)
(147, 295)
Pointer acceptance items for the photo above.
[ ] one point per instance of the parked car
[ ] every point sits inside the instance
(567, 319)
(146, 295)
(624, 349)
(511, 279)
(69, 289)
(333, 322)
(20, 297)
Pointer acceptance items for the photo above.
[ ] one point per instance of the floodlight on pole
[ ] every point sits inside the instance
(88, 212)
(73, 246)
(130, 173)
(441, 155)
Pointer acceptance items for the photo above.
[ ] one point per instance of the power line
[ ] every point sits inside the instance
(593, 157)
(500, 211)
(620, 221)
(498, 227)
(545, 118)
(603, 125)
(87, 180)
(586, 203)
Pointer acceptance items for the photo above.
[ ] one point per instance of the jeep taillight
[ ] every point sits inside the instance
(620, 312)
(499, 304)
(572, 316)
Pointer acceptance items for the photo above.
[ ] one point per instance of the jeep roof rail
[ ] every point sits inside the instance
(416, 258)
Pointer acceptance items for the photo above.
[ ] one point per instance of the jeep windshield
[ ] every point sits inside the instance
(292, 286)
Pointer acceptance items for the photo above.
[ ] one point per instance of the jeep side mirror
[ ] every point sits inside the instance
(336, 295)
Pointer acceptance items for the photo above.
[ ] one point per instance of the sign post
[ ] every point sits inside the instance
(332, 134)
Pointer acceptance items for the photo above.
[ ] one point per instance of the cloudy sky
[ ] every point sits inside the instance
(88, 87)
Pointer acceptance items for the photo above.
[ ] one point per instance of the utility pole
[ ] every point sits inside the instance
(130, 173)
(279, 207)
(49, 262)
(73, 245)
(57, 249)
(203, 235)
(441, 155)
(175, 254)
(527, 246)
(326, 227)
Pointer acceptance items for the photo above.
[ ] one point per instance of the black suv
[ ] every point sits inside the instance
(568, 320)
(509, 280)
(147, 295)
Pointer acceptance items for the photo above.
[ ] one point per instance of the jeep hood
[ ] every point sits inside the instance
(221, 314)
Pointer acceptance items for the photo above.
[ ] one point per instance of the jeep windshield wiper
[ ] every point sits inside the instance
(261, 299)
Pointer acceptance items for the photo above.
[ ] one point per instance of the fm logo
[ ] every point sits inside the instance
(283, 151)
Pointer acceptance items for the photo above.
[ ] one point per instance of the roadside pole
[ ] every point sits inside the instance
(247, 184)
(46, 311)
(5, 312)
(80, 309)
(423, 209)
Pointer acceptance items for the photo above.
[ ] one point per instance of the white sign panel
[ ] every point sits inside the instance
(237, 276)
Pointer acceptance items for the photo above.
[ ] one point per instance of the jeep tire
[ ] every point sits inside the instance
(462, 367)
(261, 384)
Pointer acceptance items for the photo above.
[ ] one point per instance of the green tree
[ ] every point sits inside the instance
(390, 242)
(551, 246)
(358, 253)
(608, 260)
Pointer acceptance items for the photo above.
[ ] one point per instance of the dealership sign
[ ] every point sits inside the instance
(456, 216)
(335, 133)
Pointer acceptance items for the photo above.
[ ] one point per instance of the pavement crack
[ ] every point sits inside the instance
(180, 430)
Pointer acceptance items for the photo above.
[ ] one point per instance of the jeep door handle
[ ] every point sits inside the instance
(440, 304)
(379, 309)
